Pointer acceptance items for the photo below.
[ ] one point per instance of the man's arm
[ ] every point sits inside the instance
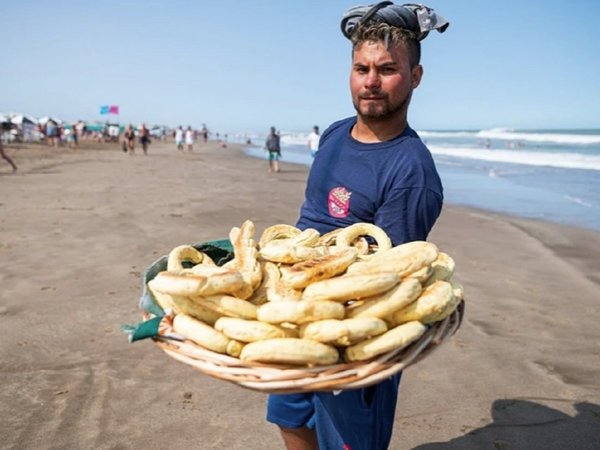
(409, 214)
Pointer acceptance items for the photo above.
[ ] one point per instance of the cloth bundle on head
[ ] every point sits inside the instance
(417, 18)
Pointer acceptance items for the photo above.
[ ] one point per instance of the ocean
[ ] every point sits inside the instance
(552, 175)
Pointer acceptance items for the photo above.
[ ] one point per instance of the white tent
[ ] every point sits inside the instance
(3, 119)
(25, 127)
(44, 120)
(20, 119)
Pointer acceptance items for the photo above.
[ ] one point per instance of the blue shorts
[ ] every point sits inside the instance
(360, 419)
(273, 156)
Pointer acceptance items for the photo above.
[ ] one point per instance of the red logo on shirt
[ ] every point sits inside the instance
(339, 202)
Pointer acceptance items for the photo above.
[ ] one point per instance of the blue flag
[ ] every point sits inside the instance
(104, 109)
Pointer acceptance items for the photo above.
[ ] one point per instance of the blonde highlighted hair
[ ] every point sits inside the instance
(390, 36)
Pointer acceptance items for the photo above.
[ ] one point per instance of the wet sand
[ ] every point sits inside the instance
(78, 227)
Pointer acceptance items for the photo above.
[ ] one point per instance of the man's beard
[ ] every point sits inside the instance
(380, 110)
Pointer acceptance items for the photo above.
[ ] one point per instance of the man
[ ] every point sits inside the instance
(179, 138)
(144, 138)
(313, 141)
(369, 168)
(273, 146)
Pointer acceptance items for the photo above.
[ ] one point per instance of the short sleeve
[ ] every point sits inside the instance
(409, 214)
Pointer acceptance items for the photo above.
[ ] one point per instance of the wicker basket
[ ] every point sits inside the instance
(293, 379)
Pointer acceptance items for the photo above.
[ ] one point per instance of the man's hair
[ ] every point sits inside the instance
(391, 37)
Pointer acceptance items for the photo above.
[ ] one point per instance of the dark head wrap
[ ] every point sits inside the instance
(417, 18)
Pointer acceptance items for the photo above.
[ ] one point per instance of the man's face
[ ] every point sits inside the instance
(381, 81)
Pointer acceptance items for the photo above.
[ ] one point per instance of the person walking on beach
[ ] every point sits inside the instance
(129, 138)
(273, 147)
(7, 158)
(60, 132)
(189, 138)
(179, 138)
(374, 168)
(313, 141)
(52, 133)
(73, 140)
(144, 138)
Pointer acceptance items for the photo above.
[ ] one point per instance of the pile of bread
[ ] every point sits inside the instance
(296, 297)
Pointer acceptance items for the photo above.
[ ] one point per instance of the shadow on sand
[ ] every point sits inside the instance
(525, 425)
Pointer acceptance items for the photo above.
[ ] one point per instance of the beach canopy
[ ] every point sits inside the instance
(44, 120)
(3, 119)
(20, 119)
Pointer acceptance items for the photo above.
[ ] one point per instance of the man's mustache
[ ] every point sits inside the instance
(370, 94)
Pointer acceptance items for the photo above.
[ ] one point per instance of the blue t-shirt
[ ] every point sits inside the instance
(393, 184)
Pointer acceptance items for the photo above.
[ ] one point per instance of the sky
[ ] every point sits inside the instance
(245, 65)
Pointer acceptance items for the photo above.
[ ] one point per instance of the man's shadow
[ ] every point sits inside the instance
(525, 425)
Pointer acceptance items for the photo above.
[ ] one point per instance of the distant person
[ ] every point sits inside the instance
(313, 141)
(80, 128)
(204, 132)
(113, 132)
(72, 138)
(189, 138)
(144, 138)
(129, 138)
(105, 133)
(7, 158)
(60, 134)
(179, 138)
(52, 133)
(273, 146)
(42, 131)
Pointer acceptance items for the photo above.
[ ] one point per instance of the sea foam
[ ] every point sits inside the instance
(562, 160)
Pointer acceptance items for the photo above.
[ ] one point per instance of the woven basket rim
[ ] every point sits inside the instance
(273, 378)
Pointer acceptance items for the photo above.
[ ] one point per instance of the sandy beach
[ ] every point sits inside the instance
(77, 228)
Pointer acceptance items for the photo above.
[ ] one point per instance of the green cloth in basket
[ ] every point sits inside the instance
(220, 251)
